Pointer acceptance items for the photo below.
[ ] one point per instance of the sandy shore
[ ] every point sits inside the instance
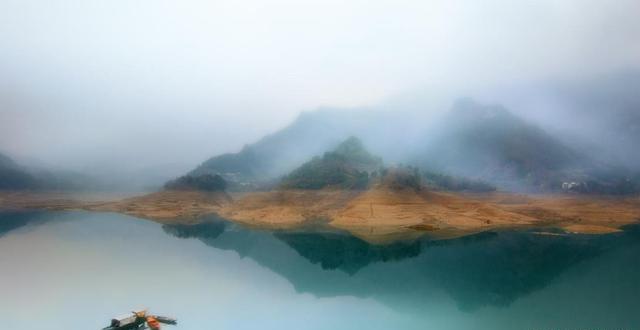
(377, 215)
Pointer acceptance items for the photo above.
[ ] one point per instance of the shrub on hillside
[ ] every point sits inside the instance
(329, 171)
(402, 177)
(346, 167)
(205, 182)
(453, 183)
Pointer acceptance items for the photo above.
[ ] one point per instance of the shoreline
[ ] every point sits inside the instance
(376, 215)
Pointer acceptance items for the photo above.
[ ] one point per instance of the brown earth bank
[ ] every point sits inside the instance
(377, 215)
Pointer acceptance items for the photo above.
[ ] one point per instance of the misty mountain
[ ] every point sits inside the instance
(492, 144)
(599, 116)
(611, 104)
(489, 142)
(205, 182)
(347, 166)
(472, 140)
(279, 153)
(13, 176)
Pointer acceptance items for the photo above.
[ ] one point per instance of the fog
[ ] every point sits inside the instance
(160, 86)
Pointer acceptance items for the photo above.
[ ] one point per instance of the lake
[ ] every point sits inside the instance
(76, 270)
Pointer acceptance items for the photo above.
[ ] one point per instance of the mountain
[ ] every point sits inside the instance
(312, 133)
(600, 115)
(205, 182)
(490, 143)
(486, 143)
(348, 166)
(478, 271)
(13, 176)
(278, 153)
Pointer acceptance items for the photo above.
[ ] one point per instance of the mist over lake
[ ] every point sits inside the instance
(319, 164)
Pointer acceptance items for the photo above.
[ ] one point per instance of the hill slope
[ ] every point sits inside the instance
(490, 143)
(347, 166)
(311, 134)
(278, 153)
(600, 115)
(13, 176)
(481, 142)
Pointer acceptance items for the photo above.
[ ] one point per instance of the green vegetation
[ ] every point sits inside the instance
(244, 165)
(205, 182)
(257, 165)
(473, 140)
(347, 167)
(350, 166)
(455, 183)
(400, 177)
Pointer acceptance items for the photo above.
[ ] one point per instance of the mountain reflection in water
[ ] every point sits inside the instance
(491, 268)
(11, 220)
(57, 263)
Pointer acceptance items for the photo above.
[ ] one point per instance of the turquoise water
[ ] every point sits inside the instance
(75, 270)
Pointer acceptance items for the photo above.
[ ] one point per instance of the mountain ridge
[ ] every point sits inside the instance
(483, 142)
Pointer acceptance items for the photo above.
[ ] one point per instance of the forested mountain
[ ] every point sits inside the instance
(348, 166)
(477, 141)
(278, 153)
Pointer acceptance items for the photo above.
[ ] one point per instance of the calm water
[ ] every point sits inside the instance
(75, 270)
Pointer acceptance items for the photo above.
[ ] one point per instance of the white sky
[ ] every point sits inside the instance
(160, 81)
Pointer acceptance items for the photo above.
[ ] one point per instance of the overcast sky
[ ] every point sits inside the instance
(178, 81)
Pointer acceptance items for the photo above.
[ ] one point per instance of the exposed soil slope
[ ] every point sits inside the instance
(380, 214)
(169, 206)
(288, 208)
(386, 213)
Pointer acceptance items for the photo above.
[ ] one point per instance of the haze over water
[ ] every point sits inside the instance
(385, 118)
(74, 270)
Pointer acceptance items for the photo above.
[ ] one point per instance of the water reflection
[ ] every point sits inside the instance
(247, 279)
(493, 268)
(344, 252)
(11, 220)
(498, 268)
(204, 231)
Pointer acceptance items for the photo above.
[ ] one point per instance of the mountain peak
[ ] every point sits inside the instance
(347, 166)
(354, 152)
